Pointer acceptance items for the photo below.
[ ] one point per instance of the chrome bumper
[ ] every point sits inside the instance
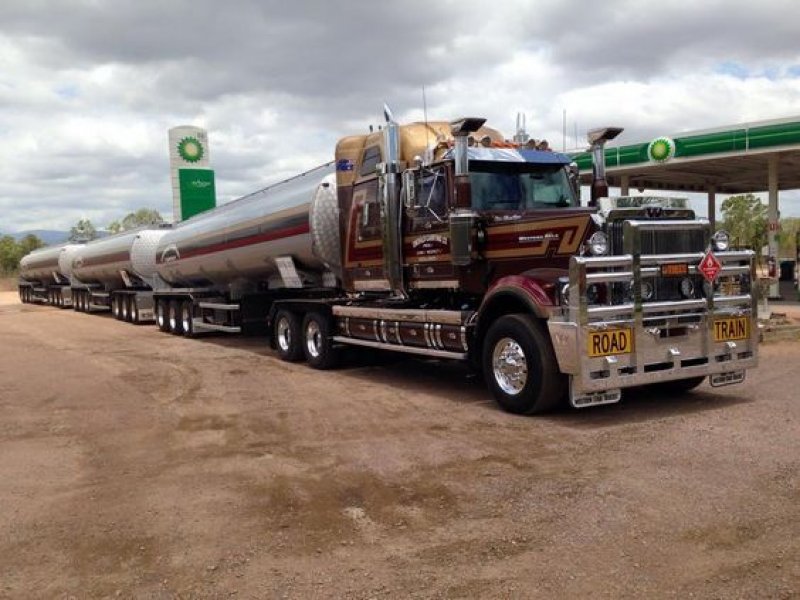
(671, 340)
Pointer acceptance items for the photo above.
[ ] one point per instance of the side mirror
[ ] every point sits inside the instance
(409, 189)
(573, 172)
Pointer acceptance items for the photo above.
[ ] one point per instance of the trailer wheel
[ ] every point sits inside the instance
(79, 301)
(286, 332)
(520, 366)
(161, 315)
(317, 342)
(187, 314)
(175, 317)
(134, 309)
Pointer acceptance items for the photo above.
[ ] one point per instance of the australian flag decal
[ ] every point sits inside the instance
(344, 164)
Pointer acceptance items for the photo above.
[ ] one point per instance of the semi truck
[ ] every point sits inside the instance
(444, 240)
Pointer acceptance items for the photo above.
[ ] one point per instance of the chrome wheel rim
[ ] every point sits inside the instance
(509, 366)
(160, 315)
(173, 319)
(313, 339)
(284, 334)
(186, 318)
(123, 309)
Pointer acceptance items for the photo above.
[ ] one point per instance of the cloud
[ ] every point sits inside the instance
(89, 89)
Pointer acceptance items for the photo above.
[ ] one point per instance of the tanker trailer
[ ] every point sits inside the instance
(223, 269)
(45, 275)
(116, 274)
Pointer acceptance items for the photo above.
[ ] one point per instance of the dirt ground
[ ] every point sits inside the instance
(137, 464)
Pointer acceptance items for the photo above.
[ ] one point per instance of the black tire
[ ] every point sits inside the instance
(317, 343)
(679, 386)
(133, 309)
(161, 309)
(541, 386)
(187, 314)
(174, 317)
(286, 333)
(115, 307)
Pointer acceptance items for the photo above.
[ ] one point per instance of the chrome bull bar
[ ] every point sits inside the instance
(670, 339)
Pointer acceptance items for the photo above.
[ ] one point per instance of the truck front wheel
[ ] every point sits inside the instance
(317, 343)
(287, 336)
(520, 366)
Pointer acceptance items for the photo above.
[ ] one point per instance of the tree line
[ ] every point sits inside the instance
(11, 250)
(744, 217)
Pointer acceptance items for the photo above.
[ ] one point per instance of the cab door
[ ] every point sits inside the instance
(427, 234)
(363, 262)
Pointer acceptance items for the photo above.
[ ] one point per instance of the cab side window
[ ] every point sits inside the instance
(431, 194)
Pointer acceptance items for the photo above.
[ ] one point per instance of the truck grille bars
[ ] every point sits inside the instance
(605, 346)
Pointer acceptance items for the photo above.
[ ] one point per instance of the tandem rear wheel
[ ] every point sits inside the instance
(286, 333)
(520, 367)
(318, 345)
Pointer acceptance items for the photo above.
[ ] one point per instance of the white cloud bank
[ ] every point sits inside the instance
(88, 89)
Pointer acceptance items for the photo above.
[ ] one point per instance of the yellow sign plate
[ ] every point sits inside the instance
(731, 328)
(610, 342)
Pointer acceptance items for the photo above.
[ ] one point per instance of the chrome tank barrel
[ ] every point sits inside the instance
(48, 264)
(239, 241)
(102, 261)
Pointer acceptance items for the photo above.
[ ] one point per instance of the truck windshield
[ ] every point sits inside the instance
(519, 186)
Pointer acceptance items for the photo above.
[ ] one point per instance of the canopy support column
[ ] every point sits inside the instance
(773, 222)
(624, 185)
(712, 206)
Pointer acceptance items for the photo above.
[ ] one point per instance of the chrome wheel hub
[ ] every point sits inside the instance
(284, 335)
(313, 339)
(509, 366)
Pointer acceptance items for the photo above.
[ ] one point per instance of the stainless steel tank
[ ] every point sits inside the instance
(103, 261)
(48, 264)
(239, 241)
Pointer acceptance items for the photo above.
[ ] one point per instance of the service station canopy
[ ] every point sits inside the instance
(730, 160)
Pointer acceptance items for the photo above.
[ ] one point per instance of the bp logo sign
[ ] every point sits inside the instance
(661, 149)
(190, 149)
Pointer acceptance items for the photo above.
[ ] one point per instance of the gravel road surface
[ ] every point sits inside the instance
(138, 464)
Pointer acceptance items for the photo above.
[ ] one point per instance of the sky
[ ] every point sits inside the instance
(89, 88)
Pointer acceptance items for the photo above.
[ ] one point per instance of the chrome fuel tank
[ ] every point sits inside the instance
(237, 243)
(103, 261)
(48, 264)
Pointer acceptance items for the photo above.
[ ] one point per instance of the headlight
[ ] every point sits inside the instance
(565, 294)
(647, 290)
(598, 243)
(721, 240)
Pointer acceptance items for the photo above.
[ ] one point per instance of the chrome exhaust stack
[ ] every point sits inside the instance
(462, 219)
(597, 141)
(391, 206)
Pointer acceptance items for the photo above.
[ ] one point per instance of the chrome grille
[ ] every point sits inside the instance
(659, 242)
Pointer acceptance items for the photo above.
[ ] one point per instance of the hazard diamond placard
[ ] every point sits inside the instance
(710, 267)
